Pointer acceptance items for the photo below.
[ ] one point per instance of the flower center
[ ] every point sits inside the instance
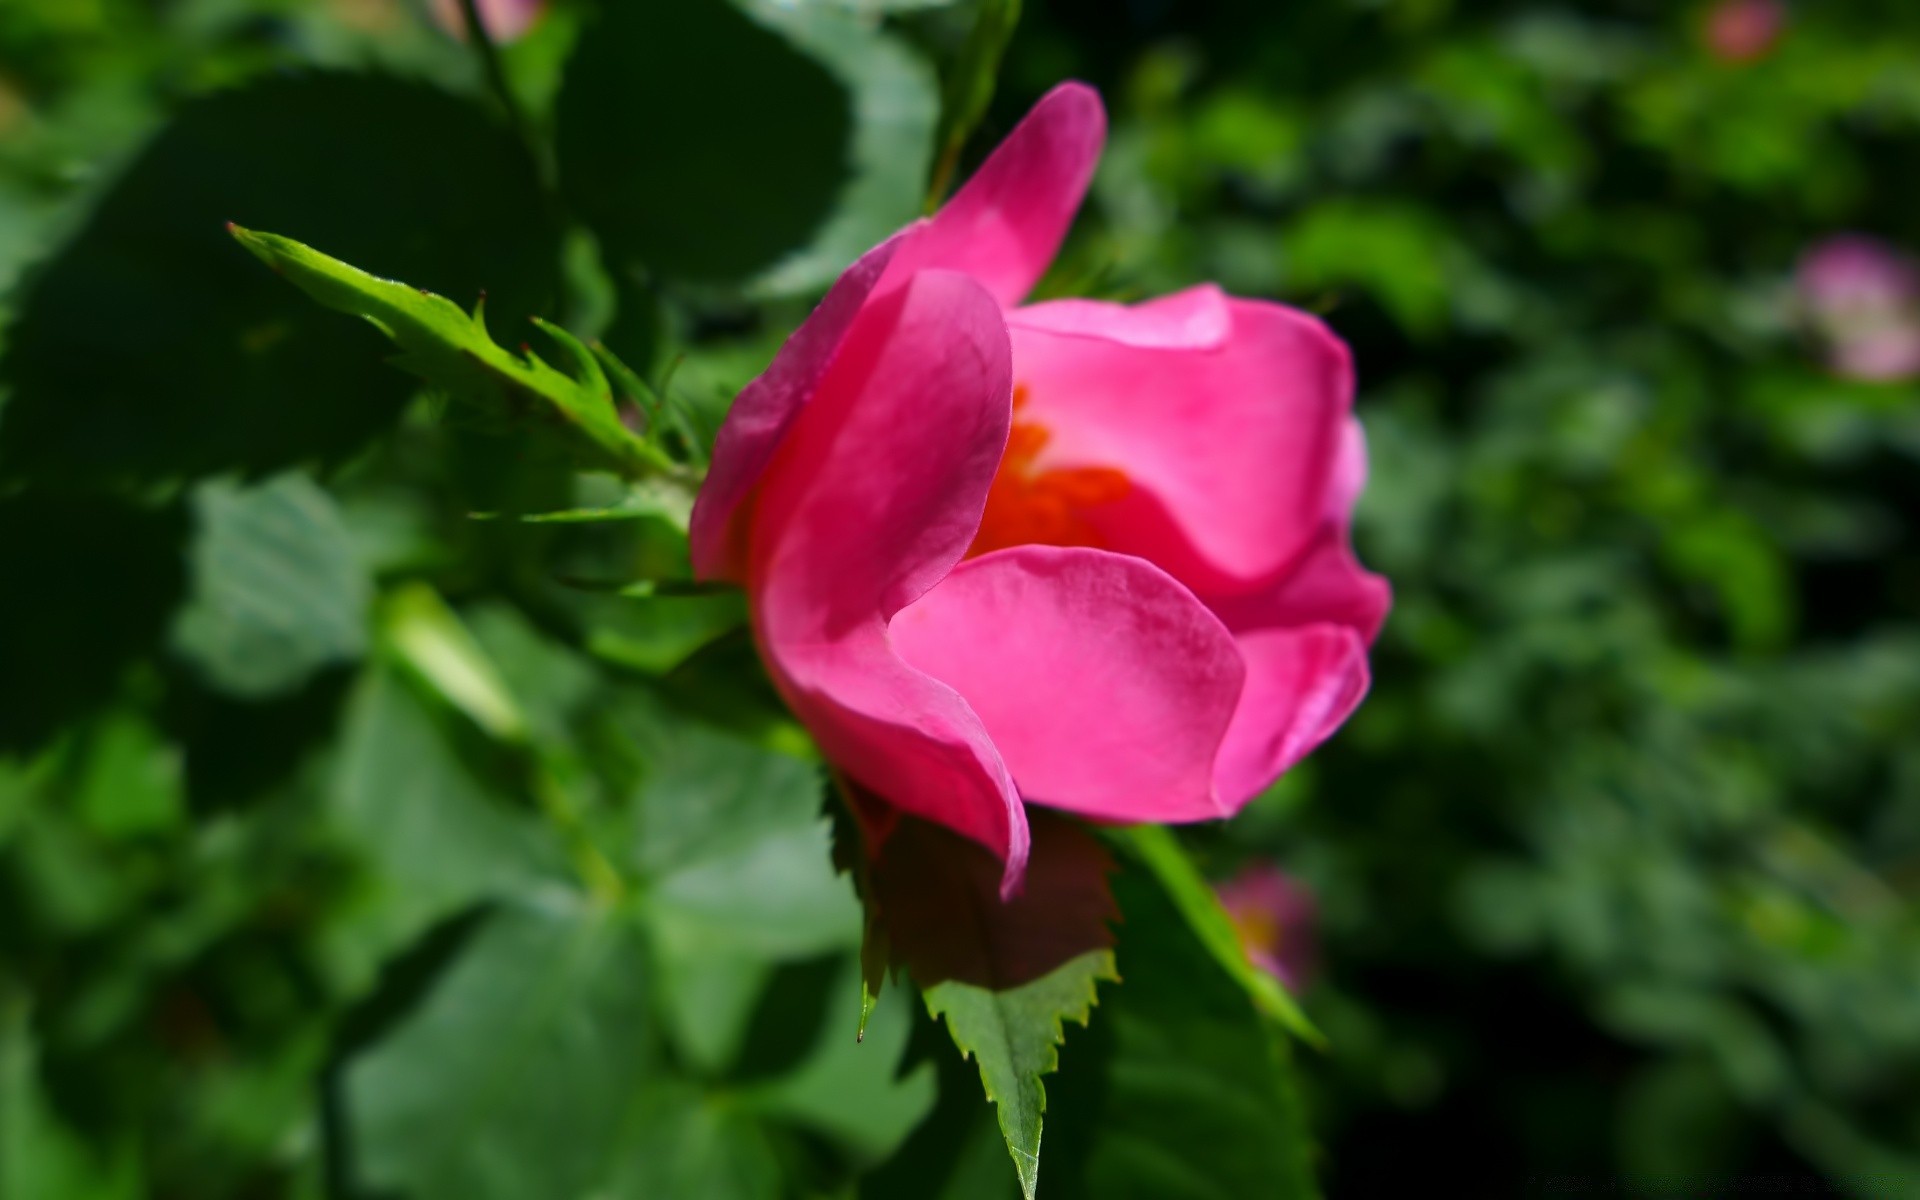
(1026, 506)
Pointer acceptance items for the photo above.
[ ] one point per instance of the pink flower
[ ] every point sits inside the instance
(1862, 298)
(1740, 31)
(1077, 554)
(506, 20)
(1274, 916)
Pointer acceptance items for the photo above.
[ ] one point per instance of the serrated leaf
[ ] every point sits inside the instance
(145, 350)
(278, 588)
(450, 348)
(1014, 1034)
(1004, 973)
(1158, 849)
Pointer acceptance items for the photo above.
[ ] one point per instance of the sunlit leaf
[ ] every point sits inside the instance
(278, 588)
(1014, 1034)
(451, 349)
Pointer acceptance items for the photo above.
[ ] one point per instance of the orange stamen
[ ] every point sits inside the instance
(1026, 506)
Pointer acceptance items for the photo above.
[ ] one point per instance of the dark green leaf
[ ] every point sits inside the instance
(518, 1073)
(699, 143)
(90, 584)
(278, 588)
(1182, 1090)
(849, 1091)
(148, 349)
(1158, 850)
(40, 1157)
(130, 781)
(895, 105)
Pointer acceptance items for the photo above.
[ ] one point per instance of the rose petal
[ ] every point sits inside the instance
(763, 411)
(1326, 586)
(875, 492)
(1004, 226)
(1196, 319)
(1106, 686)
(1301, 685)
(1230, 450)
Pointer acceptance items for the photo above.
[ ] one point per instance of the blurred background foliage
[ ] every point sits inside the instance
(317, 792)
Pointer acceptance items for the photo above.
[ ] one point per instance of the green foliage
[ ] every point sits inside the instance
(452, 351)
(1183, 1088)
(278, 590)
(146, 350)
(1631, 800)
(515, 1074)
(382, 809)
(1014, 1034)
(809, 148)
(969, 89)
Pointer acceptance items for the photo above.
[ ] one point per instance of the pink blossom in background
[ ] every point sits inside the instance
(1079, 554)
(1862, 298)
(1739, 31)
(1274, 915)
(506, 20)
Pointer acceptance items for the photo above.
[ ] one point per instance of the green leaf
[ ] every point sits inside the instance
(895, 106)
(131, 781)
(734, 856)
(145, 349)
(848, 1091)
(74, 621)
(969, 88)
(451, 349)
(657, 633)
(432, 642)
(434, 835)
(1158, 849)
(1004, 973)
(1015, 1034)
(687, 1142)
(40, 1157)
(516, 1075)
(732, 143)
(1183, 1090)
(278, 588)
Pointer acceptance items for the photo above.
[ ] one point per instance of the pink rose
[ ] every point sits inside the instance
(1078, 554)
(1741, 31)
(1273, 913)
(1862, 298)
